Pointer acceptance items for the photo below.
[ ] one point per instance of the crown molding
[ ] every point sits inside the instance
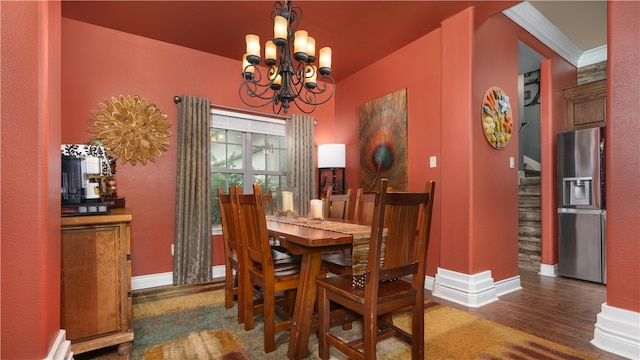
(530, 19)
(593, 56)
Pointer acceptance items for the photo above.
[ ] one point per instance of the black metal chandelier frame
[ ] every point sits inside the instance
(292, 71)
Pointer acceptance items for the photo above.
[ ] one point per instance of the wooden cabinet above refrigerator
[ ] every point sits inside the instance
(585, 105)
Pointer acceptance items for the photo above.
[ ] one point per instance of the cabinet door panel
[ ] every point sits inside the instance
(90, 281)
(585, 105)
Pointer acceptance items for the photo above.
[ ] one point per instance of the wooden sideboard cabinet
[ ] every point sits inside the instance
(96, 309)
(585, 105)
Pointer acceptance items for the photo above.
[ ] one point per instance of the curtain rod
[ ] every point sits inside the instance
(177, 99)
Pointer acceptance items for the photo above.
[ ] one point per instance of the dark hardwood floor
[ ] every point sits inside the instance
(558, 309)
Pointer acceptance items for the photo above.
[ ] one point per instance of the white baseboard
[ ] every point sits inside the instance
(150, 281)
(618, 331)
(507, 286)
(548, 270)
(165, 279)
(217, 271)
(469, 290)
(429, 281)
(61, 348)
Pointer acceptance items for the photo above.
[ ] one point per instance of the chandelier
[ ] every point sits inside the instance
(291, 76)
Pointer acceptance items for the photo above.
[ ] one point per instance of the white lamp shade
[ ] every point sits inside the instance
(331, 156)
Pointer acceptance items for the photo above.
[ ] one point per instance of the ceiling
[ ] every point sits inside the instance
(584, 22)
(359, 32)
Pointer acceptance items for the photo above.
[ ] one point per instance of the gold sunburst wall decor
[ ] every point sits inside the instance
(131, 129)
(497, 121)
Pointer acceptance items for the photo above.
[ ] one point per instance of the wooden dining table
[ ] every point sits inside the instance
(310, 243)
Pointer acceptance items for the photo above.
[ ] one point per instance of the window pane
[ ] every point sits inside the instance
(218, 155)
(226, 149)
(223, 181)
(234, 159)
(234, 137)
(273, 162)
(284, 164)
(258, 158)
(258, 140)
(273, 183)
(260, 179)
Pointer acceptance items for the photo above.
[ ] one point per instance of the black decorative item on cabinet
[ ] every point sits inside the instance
(331, 164)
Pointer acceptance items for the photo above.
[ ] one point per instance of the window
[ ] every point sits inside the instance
(246, 149)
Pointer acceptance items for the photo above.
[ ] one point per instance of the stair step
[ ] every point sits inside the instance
(534, 231)
(529, 190)
(530, 180)
(529, 215)
(529, 204)
(529, 247)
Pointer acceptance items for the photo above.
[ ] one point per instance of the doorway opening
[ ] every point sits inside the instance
(529, 169)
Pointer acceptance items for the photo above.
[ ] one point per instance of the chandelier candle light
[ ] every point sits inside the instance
(292, 76)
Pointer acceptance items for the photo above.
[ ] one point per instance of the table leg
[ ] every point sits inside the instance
(305, 304)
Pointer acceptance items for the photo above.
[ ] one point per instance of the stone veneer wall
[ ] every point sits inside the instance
(593, 72)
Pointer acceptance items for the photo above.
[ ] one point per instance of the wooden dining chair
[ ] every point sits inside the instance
(272, 278)
(337, 205)
(392, 281)
(232, 248)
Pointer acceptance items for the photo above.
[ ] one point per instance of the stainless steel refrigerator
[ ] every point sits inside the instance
(581, 205)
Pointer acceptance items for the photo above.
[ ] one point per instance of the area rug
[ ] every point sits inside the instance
(191, 322)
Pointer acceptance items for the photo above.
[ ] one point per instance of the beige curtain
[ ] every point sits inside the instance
(192, 247)
(301, 179)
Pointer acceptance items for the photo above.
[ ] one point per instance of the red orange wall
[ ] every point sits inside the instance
(30, 178)
(623, 159)
(417, 68)
(99, 63)
(31, 122)
(447, 73)
(494, 202)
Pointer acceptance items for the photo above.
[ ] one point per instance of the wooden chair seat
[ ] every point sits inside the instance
(388, 291)
(339, 262)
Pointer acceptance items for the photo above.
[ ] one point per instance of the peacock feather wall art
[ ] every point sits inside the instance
(383, 141)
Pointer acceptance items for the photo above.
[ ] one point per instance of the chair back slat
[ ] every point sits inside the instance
(337, 205)
(402, 221)
(364, 207)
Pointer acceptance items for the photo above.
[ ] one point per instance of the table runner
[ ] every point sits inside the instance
(360, 248)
